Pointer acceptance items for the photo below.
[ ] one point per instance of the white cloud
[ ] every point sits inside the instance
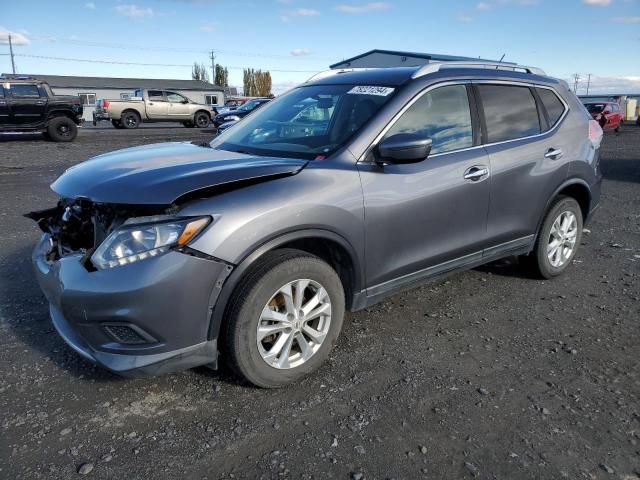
(363, 7)
(464, 18)
(16, 38)
(279, 88)
(608, 85)
(134, 11)
(597, 3)
(90, 5)
(483, 6)
(627, 20)
(299, 52)
(305, 12)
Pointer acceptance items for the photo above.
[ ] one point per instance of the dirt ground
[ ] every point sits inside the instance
(488, 374)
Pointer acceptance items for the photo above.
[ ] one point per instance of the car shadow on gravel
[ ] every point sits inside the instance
(26, 314)
(24, 137)
(507, 267)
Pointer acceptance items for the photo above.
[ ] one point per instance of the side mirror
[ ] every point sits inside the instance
(185, 101)
(404, 148)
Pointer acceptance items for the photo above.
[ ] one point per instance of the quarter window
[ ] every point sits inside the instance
(442, 115)
(510, 112)
(24, 91)
(553, 105)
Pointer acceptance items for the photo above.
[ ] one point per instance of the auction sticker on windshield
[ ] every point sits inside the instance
(371, 90)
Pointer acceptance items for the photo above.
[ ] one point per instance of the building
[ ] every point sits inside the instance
(390, 58)
(92, 88)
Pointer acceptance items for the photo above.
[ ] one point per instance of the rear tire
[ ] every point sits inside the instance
(558, 239)
(61, 129)
(130, 120)
(306, 320)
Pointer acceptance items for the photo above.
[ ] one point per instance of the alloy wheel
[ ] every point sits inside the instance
(562, 239)
(294, 324)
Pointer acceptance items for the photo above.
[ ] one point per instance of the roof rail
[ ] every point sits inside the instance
(337, 71)
(437, 66)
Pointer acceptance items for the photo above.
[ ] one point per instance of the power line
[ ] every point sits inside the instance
(114, 62)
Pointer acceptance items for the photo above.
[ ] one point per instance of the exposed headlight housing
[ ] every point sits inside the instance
(134, 242)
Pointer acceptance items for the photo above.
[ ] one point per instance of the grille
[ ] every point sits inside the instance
(125, 334)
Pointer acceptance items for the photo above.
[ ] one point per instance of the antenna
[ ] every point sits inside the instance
(501, 58)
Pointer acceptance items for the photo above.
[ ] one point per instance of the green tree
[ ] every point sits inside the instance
(256, 83)
(199, 72)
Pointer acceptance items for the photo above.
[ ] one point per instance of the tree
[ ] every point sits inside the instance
(199, 72)
(222, 76)
(256, 83)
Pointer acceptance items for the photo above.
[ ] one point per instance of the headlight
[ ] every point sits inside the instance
(131, 243)
(231, 118)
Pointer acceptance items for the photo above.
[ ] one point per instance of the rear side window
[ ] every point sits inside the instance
(442, 115)
(510, 112)
(156, 95)
(24, 91)
(553, 105)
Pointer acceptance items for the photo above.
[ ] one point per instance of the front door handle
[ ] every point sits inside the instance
(553, 153)
(40, 102)
(476, 173)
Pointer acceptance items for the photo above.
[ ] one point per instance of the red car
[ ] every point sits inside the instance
(608, 114)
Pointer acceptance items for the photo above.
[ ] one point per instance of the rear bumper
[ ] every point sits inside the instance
(161, 304)
(100, 116)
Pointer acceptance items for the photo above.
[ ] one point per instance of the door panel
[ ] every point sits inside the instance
(177, 109)
(422, 214)
(26, 105)
(156, 105)
(4, 108)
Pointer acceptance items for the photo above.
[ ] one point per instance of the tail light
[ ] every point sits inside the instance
(105, 104)
(595, 133)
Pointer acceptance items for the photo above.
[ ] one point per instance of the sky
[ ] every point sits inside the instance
(295, 38)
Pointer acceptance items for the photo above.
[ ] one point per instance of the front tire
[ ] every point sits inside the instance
(61, 129)
(201, 119)
(558, 239)
(283, 319)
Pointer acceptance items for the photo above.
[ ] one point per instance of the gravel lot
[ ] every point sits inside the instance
(488, 374)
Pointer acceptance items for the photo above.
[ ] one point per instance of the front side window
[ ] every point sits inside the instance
(442, 115)
(24, 91)
(307, 122)
(553, 105)
(175, 97)
(510, 112)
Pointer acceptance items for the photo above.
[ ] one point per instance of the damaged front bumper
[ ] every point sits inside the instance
(140, 319)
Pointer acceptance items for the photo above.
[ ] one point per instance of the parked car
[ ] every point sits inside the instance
(28, 105)
(151, 106)
(226, 125)
(156, 258)
(240, 112)
(608, 114)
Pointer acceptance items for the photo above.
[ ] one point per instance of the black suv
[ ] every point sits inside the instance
(28, 105)
(240, 112)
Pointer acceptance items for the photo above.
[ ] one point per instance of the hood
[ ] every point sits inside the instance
(161, 173)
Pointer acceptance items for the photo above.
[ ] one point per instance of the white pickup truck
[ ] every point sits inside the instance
(147, 105)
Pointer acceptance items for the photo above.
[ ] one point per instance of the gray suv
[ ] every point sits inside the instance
(352, 187)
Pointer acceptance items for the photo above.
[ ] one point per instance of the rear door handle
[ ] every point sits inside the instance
(553, 153)
(476, 173)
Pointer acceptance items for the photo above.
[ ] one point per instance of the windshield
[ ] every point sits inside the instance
(594, 107)
(308, 122)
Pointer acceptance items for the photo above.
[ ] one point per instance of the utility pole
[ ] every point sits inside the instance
(588, 83)
(13, 65)
(576, 79)
(213, 67)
